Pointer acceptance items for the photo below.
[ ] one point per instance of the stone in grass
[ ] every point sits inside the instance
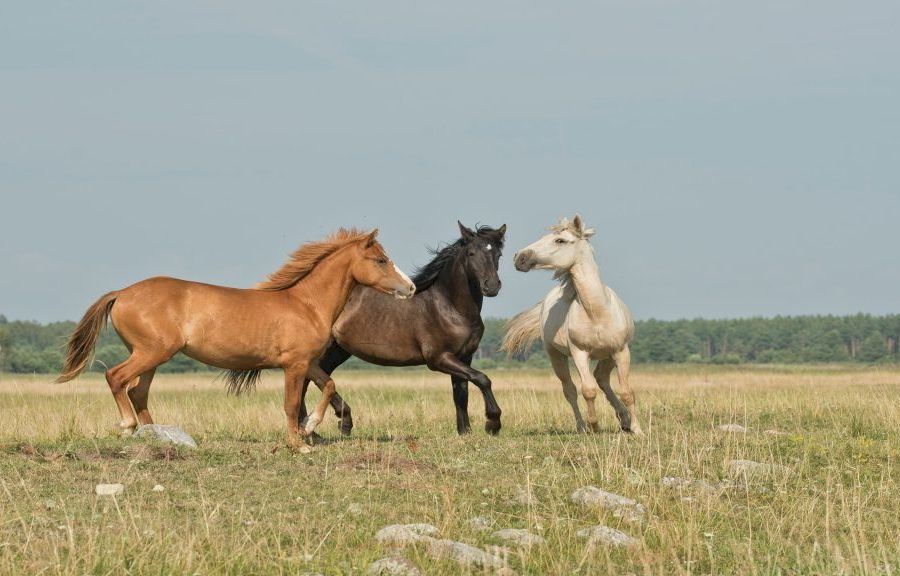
(733, 428)
(393, 566)
(109, 489)
(679, 483)
(524, 496)
(464, 554)
(403, 534)
(622, 507)
(607, 535)
(518, 537)
(749, 468)
(166, 433)
(159, 488)
(481, 523)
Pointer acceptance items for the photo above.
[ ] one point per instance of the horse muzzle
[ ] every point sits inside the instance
(491, 288)
(405, 292)
(524, 260)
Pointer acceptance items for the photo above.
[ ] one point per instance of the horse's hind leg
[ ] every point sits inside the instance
(561, 367)
(623, 368)
(139, 395)
(333, 357)
(601, 372)
(119, 377)
(323, 381)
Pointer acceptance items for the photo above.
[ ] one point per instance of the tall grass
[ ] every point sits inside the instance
(244, 504)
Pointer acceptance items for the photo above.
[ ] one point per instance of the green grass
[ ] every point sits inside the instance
(245, 504)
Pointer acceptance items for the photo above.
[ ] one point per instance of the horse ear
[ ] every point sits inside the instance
(502, 231)
(466, 233)
(577, 223)
(371, 237)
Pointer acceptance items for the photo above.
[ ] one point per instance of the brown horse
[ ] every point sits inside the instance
(284, 323)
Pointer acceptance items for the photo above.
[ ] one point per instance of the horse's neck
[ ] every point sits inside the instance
(463, 294)
(589, 287)
(328, 285)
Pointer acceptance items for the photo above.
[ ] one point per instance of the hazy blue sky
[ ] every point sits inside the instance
(736, 158)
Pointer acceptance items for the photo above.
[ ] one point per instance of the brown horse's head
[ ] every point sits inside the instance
(374, 268)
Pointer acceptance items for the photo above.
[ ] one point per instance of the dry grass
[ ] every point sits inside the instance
(243, 504)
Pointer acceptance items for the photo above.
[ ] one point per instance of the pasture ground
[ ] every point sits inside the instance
(245, 504)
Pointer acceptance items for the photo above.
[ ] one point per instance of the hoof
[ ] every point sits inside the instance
(126, 429)
(492, 427)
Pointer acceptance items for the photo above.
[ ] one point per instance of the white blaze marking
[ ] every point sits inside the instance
(402, 275)
(489, 247)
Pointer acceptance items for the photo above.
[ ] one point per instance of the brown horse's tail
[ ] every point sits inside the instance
(522, 331)
(82, 341)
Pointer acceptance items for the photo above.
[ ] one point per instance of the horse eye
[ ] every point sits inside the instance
(382, 260)
(560, 241)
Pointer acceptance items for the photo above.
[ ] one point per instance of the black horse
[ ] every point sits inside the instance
(440, 326)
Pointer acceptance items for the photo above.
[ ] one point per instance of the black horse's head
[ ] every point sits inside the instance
(482, 249)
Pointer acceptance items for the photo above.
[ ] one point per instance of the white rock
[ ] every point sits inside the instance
(734, 428)
(679, 483)
(109, 489)
(463, 553)
(524, 496)
(481, 522)
(393, 566)
(159, 488)
(518, 537)
(166, 433)
(749, 468)
(622, 507)
(607, 535)
(403, 534)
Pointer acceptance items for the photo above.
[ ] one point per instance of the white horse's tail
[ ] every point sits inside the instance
(522, 330)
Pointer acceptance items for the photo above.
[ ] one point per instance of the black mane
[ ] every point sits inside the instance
(426, 275)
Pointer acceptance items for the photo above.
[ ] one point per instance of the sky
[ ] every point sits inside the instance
(736, 158)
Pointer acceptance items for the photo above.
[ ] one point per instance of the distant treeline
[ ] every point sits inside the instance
(30, 347)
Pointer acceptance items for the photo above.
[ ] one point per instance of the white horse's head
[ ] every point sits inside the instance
(558, 250)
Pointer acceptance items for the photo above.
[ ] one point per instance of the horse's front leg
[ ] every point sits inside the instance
(295, 383)
(450, 364)
(461, 400)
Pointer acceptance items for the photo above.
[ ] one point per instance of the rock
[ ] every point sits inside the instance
(749, 468)
(481, 523)
(159, 488)
(622, 507)
(518, 537)
(679, 483)
(166, 433)
(49, 504)
(524, 496)
(607, 535)
(464, 554)
(109, 489)
(403, 534)
(393, 566)
(407, 534)
(733, 428)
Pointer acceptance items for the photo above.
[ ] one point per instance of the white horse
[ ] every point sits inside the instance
(582, 319)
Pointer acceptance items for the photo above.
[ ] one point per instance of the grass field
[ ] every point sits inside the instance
(244, 504)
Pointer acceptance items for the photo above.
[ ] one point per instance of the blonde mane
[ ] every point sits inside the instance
(305, 258)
